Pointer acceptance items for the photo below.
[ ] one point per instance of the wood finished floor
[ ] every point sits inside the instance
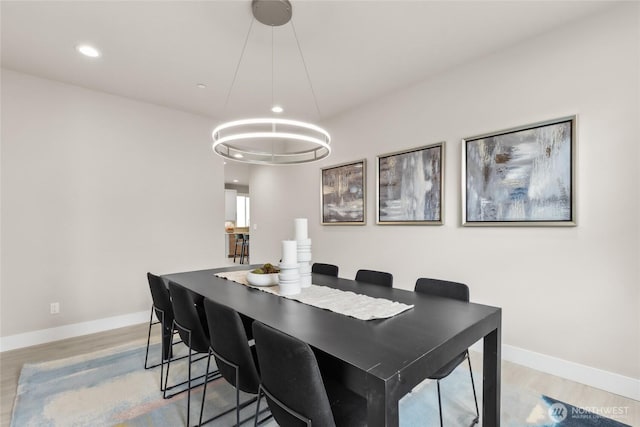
(568, 391)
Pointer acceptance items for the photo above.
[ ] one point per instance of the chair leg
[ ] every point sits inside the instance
(204, 390)
(238, 406)
(439, 402)
(162, 345)
(163, 386)
(237, 397)
(165, 344)
(212, 376)
(166, 378)
(473, 387)
(189, 389)
(146, 357)
(255, 422)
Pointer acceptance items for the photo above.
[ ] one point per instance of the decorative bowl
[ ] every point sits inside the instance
(262, 279)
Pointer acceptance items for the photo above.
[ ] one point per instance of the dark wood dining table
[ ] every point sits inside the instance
(382, 360)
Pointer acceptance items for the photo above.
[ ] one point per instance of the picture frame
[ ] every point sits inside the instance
(410, 186)
(343, 193)
(523, 176)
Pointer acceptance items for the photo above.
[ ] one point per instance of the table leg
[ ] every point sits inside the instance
(166, 344)
(382, 405)
(491, 379)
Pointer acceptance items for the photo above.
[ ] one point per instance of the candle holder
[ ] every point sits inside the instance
(303, 251)
(289, 277)
(304, 262)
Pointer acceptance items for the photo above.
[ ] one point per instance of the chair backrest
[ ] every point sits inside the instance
(229, 340)
(187, 317)
(161, 300)
(375, 277)
(290, 372)
(443, 288)
(326, 269)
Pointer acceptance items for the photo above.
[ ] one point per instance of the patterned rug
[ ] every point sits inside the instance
(111, 388)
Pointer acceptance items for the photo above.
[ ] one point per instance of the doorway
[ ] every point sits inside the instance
(237, 224)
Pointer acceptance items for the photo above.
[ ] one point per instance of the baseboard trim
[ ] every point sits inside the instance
(42, 336)
(594, 377)
(583, 374)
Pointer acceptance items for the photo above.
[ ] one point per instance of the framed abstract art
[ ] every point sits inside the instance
(410, 186)
(343, 194)
(523, 176)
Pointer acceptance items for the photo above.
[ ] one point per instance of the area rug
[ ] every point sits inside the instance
(111, 388)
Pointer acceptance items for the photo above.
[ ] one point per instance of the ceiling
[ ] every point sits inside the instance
(355, 51)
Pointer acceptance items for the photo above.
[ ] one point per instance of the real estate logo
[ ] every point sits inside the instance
(558, 412)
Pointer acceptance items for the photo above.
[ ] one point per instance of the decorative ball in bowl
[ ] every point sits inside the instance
(267, 275)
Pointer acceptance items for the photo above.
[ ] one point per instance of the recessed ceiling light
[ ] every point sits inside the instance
(235, 180)
(277, 109)
(201, 85)
(238, 156)
(88, 50)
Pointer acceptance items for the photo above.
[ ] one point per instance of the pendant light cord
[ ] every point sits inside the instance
(315, 101)
(235, 74)
(304, 63)
(273, 126)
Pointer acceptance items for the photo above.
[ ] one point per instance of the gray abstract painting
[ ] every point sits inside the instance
(343, 194)
(521, 176)
(410, 186)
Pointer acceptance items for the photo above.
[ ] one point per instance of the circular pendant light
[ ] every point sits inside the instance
(271, 141)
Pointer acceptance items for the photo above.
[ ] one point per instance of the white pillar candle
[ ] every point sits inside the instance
(301, 229)
(289, 252)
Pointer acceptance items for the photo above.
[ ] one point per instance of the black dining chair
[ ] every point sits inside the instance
(190, 322)
(245, 249)
(458, 291)
(161, 306)
(294, 387)
(326, 269)
(236, 360)
(239, 244)
(373, 277)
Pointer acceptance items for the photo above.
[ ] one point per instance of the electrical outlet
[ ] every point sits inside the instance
(55, 308)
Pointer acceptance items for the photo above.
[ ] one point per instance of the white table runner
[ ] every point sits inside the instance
(348, 303)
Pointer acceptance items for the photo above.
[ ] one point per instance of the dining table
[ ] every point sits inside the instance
(383, 359)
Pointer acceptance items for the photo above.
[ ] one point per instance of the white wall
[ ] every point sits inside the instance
(96, 191)
(571, 293)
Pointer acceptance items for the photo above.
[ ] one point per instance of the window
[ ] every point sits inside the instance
(242, 212)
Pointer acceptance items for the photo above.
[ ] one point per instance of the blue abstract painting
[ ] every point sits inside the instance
(523, 175)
